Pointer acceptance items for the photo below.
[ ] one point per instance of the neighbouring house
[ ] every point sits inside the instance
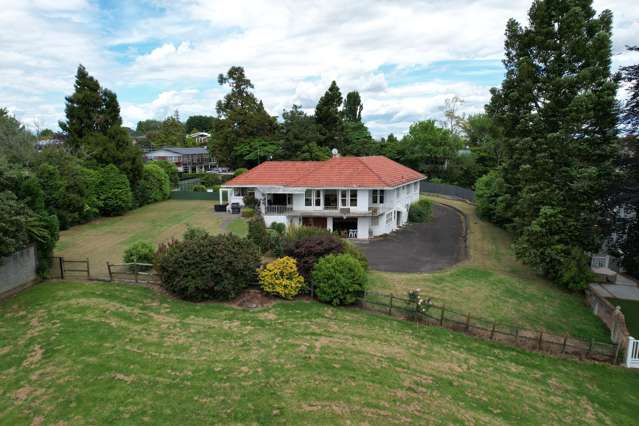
(358, 197)
(200, 138)
(43, 143)
(187, 160)
(603, 262)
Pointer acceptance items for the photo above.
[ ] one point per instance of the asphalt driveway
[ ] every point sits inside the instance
(420, 247)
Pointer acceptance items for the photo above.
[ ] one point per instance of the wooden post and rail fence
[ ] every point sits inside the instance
(425, 314)
(535, 340)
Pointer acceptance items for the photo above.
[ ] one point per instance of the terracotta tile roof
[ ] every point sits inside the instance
(338, 172)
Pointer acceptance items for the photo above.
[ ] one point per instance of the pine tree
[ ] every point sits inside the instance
(557, 110)
(624, 194)
(83, 109)
(353, 107)
(94, 125)
(329, 117)
(630, 117)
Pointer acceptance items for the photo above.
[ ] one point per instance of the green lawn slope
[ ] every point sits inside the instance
(494, 285)
(117, 354)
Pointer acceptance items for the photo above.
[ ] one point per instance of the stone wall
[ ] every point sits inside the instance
(610, 315)
(17, 271)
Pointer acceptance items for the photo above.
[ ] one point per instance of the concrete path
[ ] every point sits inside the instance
(625, 292)
(420, 247)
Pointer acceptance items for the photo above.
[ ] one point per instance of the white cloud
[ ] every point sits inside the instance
(291, 50)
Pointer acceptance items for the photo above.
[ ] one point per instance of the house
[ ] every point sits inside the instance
(43, 143)
(358, 197)
(187, 160)
(201, 138)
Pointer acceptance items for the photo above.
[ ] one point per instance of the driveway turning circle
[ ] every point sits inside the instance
(420, 247)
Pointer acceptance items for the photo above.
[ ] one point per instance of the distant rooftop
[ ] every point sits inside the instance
(183, 151)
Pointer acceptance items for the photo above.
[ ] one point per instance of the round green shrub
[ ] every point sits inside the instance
(199, 188)
(140, 252)
(279, 227)
(353, 250)
(217, 267)
(239, 171)
(257, 233)
(210, 180)
(154, 186)
(339, 279)
(114, 192)
(420, 211)
(276, 242)
(170, 169)
(248, 212)
(193, 232)
(249, 200)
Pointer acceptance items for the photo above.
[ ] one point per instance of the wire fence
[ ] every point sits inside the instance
(133, 273)
(534, 340)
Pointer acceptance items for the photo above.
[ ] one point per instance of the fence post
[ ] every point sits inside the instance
(390, 306)
(617, 353)
(88, 270)
(492, 332)
(541, 338)
(109, 269)
(589, 348)
(417, 311)
(61, 259)
(135, 271)
(441, 318)
(516, 335)
(563, 346)
(468, 321)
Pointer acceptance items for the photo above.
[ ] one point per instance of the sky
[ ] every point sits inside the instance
(404, 57)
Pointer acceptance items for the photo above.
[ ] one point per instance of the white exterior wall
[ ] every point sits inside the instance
(395, 200)
(270, 219)
(363, 195)
(298, 201)
(363, 224)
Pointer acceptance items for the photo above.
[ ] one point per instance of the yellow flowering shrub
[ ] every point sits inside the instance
(280, 277)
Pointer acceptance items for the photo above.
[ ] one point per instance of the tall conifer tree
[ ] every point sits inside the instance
(558, 112)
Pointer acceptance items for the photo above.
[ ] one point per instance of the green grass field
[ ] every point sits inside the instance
(494, 285)
(116, 354)
(630, 309)
(105, 239)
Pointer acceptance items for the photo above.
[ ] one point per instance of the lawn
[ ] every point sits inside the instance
(630, 309)
(105, 239)
(107, 353)
(493, 284)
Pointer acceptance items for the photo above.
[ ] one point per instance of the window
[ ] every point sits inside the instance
(318, 198)
(308, 198)
(289, 199)
(348, 198)
(378, 196)
(239, 192)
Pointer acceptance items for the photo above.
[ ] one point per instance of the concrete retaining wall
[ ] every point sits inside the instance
(17, 271)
